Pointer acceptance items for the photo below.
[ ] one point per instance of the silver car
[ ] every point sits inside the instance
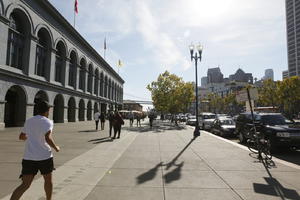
(206, 119)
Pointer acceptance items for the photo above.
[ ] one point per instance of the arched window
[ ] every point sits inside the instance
(17, 40)
(42, 53)
(82, 74)
(96, 83)
(90, 78)
(72, 69)
(60, 62)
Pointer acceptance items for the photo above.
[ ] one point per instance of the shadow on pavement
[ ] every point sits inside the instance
(149, 175)
(101, 140)
(171, 176)
(87, 131)
(274, 187)
(157, 127)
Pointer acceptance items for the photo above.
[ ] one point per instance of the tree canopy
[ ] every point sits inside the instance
(170, 94)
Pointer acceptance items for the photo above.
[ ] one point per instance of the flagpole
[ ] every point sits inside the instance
(74, 17)
(104, 46)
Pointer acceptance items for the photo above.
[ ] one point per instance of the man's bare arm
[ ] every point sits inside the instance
(50, 141)
(23, 136)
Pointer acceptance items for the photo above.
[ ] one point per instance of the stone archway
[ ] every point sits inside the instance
(58, 109)
(81, 110)
(39, 97)
(71, 110)
(15, 107)
(89, 111)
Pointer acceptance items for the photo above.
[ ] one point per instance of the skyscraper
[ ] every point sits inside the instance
(293, 36)
(269, 74)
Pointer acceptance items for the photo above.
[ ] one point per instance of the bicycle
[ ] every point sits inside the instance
(257, 143)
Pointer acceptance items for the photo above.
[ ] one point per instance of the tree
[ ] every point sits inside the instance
(289, 95)
(170, 93)
(268, 93)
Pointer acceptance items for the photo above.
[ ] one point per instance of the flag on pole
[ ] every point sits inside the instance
(105, 43)
(76, 7)
(120, 63)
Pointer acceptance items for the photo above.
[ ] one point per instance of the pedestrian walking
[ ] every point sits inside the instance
(117, 123)
(131, 118)
(151, 118)
(138, 119)
(97, 118)
(110, 119)
(102, 119)
(37, 132)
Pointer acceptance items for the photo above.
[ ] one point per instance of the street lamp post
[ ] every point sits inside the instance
(196, 53)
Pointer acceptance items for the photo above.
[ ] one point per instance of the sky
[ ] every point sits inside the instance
(151, 36)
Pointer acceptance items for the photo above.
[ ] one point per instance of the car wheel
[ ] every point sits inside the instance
(241, 137)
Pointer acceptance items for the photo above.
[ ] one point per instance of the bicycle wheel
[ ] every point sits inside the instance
(252, 146)
(265, 149)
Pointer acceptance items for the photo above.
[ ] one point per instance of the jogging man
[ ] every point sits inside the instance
(37, 132)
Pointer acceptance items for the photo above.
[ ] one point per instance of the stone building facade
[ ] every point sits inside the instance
(44, 58)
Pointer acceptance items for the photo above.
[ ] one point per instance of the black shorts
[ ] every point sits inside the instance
(31, 167)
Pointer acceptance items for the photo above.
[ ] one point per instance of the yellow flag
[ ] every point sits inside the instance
(120, 63)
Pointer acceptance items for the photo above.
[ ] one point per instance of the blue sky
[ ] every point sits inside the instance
(151, 36)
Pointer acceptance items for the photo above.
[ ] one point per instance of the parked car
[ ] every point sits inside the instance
(206, 119)
(223, 126)
(281, 132)
(191, 120)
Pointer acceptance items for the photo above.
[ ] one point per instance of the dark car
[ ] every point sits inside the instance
(281, 132)
(223, 126)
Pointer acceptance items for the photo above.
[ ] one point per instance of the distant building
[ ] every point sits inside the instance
(204, 81)
(293, 36)
(269, 74)
(214, 75)
(132, 105)
(285, 74)
(241, 76)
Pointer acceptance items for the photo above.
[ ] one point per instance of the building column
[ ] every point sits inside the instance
(86, 74)
(77, 77)
(52, 69)
(51, 112)
(65, 114)
(29, 110)
(76, 114)
(2, 113)
(67, 68)
(32, 56)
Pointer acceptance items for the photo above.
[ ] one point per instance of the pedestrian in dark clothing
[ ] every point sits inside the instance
(138, 120)
(117, 123)
(96, 118)
(131, 118)
(110, 119)
(102, 119)
(151, 117)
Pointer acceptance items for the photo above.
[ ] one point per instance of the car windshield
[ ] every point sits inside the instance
(227, 122)
(209, 116)
(275, 120)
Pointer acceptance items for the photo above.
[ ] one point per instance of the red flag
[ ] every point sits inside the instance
(76, 6)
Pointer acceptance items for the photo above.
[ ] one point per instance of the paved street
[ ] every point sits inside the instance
(149, 164)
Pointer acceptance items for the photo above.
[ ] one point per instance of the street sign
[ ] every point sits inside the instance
(242, 95)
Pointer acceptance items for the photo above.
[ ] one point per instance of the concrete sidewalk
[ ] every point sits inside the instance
(164, 163)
